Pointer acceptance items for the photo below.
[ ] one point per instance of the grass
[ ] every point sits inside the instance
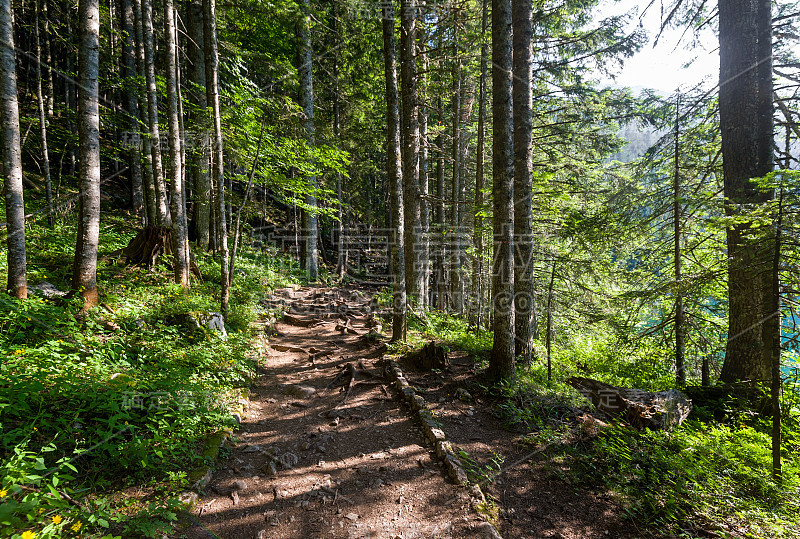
(705, 475)
(91, 414)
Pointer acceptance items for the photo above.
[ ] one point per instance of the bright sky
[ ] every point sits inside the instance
(662, 67)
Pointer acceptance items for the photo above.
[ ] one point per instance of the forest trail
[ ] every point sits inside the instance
(309, 464)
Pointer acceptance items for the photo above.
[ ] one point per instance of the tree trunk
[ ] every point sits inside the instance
(439, 259)
(410, 112)
(132, 106)
(549, 337)
(395, 173)
(454, 277)
(162, 213)
(745, 108)
(212, 97)
(148, 182)
(180, 235)
(201, 209)
(341, 252)
(84, 276)
(477, 263)
(501, 363)
(17, 284)
(680, 372)
(42, 102)
(424, 204)
(524, 298)
(305, 73)
(772, 338)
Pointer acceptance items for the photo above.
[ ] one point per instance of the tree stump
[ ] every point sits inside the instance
(642, 409)
(148, 245)
(431, 356)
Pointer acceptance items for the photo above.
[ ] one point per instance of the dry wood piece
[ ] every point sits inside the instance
(655, 410)
(299, 322)
(284, 348)
(347, 377)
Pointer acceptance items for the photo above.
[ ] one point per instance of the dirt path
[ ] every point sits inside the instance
(308, 465)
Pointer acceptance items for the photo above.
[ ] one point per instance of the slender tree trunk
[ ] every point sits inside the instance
(305, 73)
(341, 262)
(424, 204)
(454, 276)
(201, 209)
(772, 338)
(17, 284)
(48, 60)
(477, 264)
(162, 213)
(212, 97)
(680, 372)
(745, 108)
(148, 181)
(524, 298)
(42, 101)
(237, 227)
(395, 174)
(84, 276)
(132, 106)
(440, 261)
(549, 337)
(180, 236)
(501, 362)
(410, 114)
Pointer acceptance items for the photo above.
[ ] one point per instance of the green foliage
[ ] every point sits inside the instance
(86, 409)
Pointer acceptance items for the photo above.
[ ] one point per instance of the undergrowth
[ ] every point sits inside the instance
(704, 475)
(92, 406)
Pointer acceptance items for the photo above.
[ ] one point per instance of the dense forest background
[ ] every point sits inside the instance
(183, 157)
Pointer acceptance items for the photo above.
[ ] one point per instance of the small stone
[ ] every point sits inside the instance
(270, 468)
(351, 516)
(261, 534)
(239, 485)
(251, 448)
(463, 395)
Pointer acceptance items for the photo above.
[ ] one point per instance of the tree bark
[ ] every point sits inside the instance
(524, 297)
(132, 106)
(162, 213)
(42, 102)
(201, 209)
(148, 182)
(395, 173)
(424, 204)
(17, 284)
(410, 113)
(745, 107)
(477, 263)
(180, 234)
(772, 337)
(501, 362)
(84, 276)
(305, 73)
(212, 97)
(680, 372)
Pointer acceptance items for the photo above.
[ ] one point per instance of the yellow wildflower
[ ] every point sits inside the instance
(77, 526)
(28, 535)
(57, 519)
(3, 493)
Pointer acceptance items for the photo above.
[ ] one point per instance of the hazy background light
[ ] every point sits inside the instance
(662, 67)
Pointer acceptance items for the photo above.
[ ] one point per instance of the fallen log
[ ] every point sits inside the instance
(642, 409)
